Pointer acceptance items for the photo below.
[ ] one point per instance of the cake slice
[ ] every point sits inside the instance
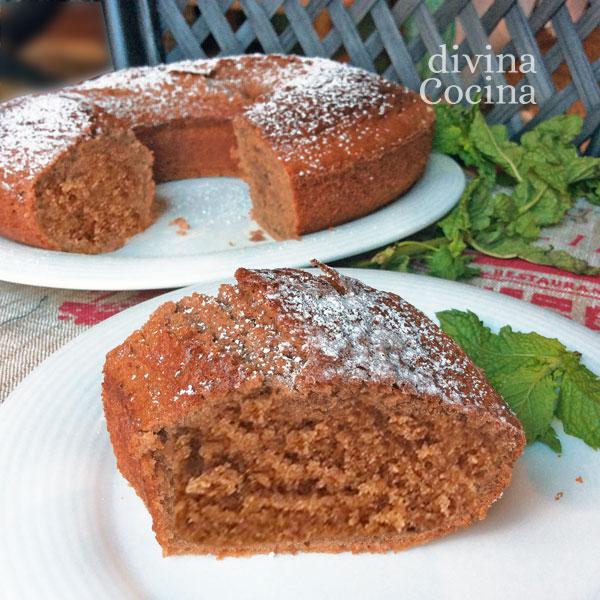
(72, 178)
(295, 412)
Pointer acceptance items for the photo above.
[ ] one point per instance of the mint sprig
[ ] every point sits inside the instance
(542, 176)
(537, 377)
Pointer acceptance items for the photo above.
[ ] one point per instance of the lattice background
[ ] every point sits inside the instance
(388, 37)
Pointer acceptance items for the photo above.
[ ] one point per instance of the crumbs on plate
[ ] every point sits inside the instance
(182, 225)
(257, 235)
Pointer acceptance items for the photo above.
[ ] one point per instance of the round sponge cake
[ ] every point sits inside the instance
(319, 142)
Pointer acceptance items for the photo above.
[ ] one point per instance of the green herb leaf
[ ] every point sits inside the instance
(537, 377)
(492, 141)
(514, 247)
(550, 438)
(560, 129)
(442, 262)
(579, 404)
(452, 136)
(557, 258)
(467, 330)
(532, 394)
(589, 189)
(545, 173)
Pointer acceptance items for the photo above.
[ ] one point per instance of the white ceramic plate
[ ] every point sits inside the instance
(217, 209)
(71, 528)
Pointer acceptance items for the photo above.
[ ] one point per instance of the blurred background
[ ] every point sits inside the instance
(47, 44)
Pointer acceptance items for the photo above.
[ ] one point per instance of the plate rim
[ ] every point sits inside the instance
(144, 273)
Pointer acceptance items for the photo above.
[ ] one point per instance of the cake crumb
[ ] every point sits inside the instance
(257, 235)
(558, 495)
(182, 225)
(579, 479)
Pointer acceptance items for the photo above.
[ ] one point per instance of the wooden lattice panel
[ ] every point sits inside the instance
(393, 38)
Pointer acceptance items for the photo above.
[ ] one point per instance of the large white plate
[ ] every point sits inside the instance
(71, 528)
(217, 209)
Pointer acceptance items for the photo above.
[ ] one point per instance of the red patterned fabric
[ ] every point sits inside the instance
(574, 296)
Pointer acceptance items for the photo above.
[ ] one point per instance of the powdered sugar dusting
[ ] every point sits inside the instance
(317, 97)
(357, 333)
(143, 95)
(287, 327)
(321, 96)
(35, 130)
(148, 95)
(295, 100)
(292, 98)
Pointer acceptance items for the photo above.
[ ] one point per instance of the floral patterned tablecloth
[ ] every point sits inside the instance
(34, 322)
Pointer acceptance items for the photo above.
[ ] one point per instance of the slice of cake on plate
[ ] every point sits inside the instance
(295, 412)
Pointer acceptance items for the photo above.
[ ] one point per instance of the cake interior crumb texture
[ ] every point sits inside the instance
(252, 476)
(97, 195)
(302, 413)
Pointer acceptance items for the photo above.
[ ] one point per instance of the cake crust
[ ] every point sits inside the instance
(265, 401)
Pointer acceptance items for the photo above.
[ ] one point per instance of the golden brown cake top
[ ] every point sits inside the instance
(149, 96)
(327, 110)
(314, 111)
(35, 130)
(288, 328)
(205, 88)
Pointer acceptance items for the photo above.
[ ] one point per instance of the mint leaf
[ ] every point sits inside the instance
(453, 137)
(467, 330)
(442, 262)
(398, 256)
(579, 405)
(537, 377)
(492, 141)
(583, 168)
(520, 366)
(471, 210)
(545, 173)
(509, 350)
(531, 392)
(515, 247)
(560, 129)
(588, 189)
(550, 438)
(557, 258)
